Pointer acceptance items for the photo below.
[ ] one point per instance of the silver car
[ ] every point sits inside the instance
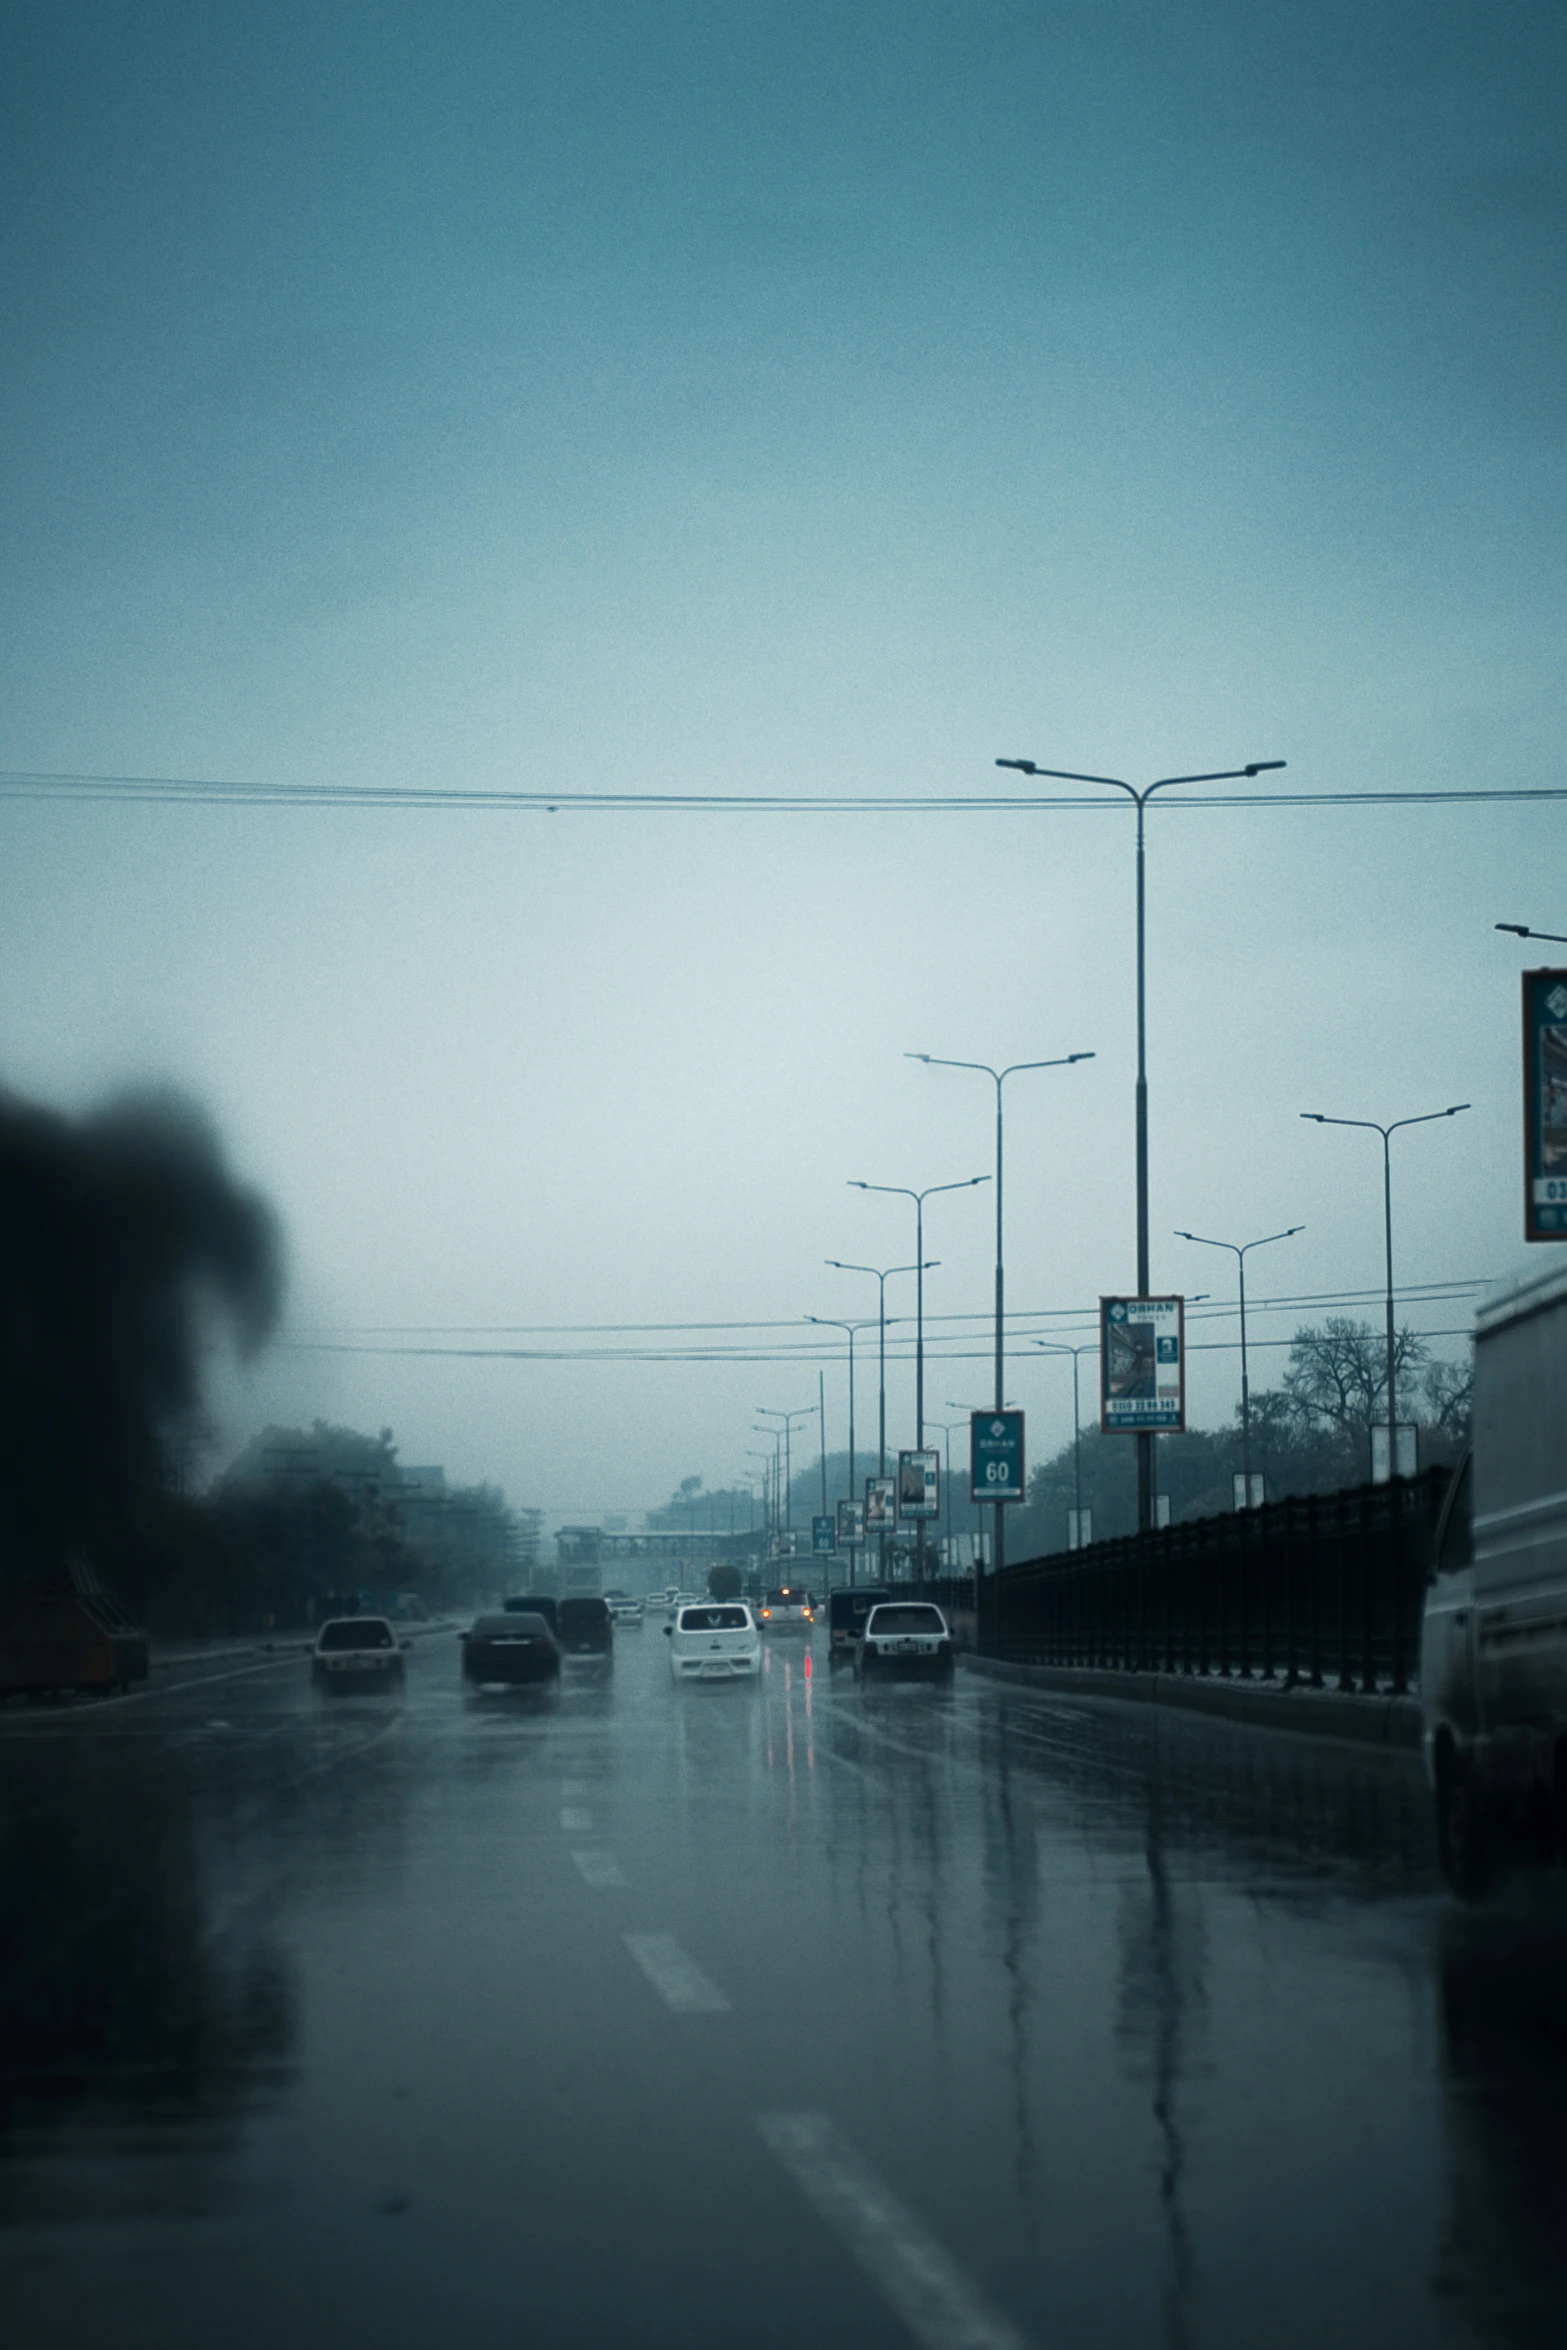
(789, 1607)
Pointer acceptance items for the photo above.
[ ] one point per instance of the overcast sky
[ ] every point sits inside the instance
(794, 399)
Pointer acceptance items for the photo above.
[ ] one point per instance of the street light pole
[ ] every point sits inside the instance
(825, 1322)
(882, 1277)
(902, 1191)
(1240, 1251)
(1140, 800)
(999, 1077)
(1055, 1346)
(777, 1437)
(762, 1457)
(768, 1412)
(1370, 1126)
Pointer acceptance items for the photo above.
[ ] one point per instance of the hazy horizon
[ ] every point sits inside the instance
(780, 401)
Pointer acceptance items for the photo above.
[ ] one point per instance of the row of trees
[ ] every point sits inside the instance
(301, 1521)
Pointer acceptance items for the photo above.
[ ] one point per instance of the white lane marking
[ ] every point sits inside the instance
(942, 2308)
(675, 1976)
(576, 1821)
(599, 1868)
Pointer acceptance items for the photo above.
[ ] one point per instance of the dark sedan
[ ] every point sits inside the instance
(511, 1647)
(583, 1627)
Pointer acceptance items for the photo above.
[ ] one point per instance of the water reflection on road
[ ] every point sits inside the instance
(342, 2018)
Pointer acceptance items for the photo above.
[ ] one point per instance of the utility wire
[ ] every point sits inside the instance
(1424, 1291)
(207, 791)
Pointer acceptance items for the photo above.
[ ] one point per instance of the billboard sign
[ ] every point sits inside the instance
(823, 1542)
(881, 1504)
(1142, 1364)
(919, 1485)
(996, 1456)
(1545, 1105)
(851, 1524)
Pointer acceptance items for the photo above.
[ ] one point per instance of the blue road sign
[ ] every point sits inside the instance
(996, 1456)
(823, 1538)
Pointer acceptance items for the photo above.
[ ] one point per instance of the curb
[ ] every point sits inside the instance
(1389, 1722)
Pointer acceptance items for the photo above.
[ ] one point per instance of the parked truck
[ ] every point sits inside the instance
(1493, 1640)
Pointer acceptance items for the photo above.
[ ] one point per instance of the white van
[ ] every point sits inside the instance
(1493, 1638)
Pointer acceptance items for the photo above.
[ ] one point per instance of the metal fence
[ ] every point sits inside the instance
(1325, 1587)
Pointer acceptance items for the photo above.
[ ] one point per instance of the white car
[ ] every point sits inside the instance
(623, 1608)
(908, 1635)
(362, 1648)
(714, 1640)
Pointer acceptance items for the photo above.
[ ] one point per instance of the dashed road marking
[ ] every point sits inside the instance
(575, 1821)
(942, 2308)
(675, 1976)
(599, 1868)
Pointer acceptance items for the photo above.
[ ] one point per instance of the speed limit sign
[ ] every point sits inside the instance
(996, 1456)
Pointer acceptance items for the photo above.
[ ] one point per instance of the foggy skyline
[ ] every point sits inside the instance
(808, 402)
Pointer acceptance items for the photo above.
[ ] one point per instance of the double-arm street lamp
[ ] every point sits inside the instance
(788, 1418)
(1370, 1126)
(1140, 799)
(882, 1275)
(998, 1078)
(1240, 1250)
(826, 1322)
(902, 1191)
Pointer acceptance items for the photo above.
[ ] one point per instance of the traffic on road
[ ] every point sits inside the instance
(661, 2005)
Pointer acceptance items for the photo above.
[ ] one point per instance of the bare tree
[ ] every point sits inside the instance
(1450, 1395)
(1337, 1374)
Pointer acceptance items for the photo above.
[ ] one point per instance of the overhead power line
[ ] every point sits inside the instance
(321, 1333)
(210, 791)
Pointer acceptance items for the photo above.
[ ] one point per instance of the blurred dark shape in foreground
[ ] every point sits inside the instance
(125, 1243)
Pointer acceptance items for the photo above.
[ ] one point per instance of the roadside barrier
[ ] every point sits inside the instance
(1320, 1590)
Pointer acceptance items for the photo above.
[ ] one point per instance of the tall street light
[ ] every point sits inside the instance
(826, 1322)
(1090, 1346)
(1140, 799)
(902, 1191)
(998, 1078)
(777, 1440)
(788, 1418)
(1370, 1126)
(1240, 1250)
(882, 1275)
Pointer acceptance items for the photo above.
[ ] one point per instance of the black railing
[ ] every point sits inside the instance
(1321, 1588)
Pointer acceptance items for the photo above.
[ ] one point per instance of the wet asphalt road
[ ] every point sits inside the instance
(799, 2016)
